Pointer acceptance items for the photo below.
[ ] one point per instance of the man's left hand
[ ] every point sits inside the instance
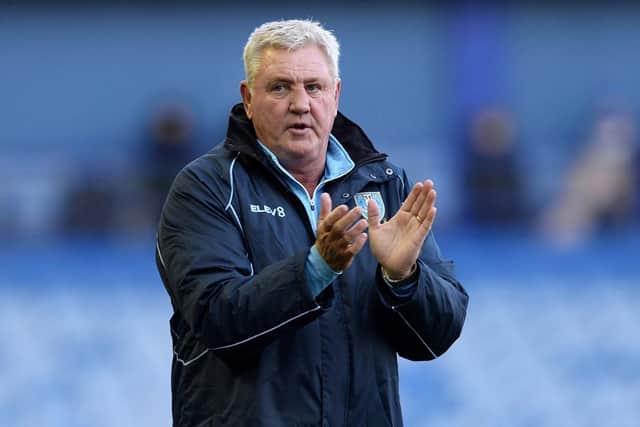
(396, 243)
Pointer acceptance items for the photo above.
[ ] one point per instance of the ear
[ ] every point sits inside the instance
(336, 95)
(245, 92)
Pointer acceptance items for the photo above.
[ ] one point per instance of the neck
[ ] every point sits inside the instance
(308, 175)
(309, 178)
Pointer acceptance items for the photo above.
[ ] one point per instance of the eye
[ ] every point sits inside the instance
(313, 88)
(278, 88)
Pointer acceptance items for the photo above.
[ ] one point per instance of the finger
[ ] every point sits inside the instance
(347, 220)
(352, 234)
(428, 220)
(325, 206)
(373, 213)
(358, 244)
(412, 197)
(423, 197)
(427, 204)
(334, 216)
(431, 217)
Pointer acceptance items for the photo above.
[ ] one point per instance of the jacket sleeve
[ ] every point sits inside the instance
(425, 325)
(204, 264)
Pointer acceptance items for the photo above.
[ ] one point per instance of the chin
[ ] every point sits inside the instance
(302, 145)
(303, 150)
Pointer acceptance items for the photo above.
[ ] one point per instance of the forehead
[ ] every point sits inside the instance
(307, 62)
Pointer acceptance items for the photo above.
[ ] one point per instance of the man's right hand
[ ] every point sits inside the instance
(340, 234)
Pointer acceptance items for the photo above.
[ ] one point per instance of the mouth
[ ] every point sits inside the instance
(299, 126)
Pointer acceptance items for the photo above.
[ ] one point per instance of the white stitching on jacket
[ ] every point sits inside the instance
(188, 362)
(233, 162)
(160, 254)
(415, 332)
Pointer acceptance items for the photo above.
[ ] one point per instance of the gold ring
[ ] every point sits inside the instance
(420, 220)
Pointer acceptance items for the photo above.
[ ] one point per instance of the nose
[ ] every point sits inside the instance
(299, 101)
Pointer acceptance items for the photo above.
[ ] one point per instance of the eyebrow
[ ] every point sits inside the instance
(291, 81)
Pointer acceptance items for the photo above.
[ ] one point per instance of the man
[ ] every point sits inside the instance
(287, 313)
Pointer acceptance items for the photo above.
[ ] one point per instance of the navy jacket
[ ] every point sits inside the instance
(252, 346)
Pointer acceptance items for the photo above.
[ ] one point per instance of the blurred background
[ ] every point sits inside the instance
(526, 117)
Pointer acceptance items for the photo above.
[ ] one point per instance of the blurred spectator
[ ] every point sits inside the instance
(89, 206)
(493, 187)
(598, 192)
(636, 184)
(168, 145)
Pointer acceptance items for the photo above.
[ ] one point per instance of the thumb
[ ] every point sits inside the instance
(373, 214)
(325, 206)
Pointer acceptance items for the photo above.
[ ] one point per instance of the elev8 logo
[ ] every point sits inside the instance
(278, 210)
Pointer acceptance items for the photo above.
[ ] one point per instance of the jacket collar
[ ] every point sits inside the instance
(241, 137)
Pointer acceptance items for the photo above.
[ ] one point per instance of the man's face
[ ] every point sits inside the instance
(293, 104)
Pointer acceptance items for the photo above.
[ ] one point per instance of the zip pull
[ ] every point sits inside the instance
(313, 204)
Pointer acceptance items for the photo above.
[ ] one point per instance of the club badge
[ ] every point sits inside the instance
(361, 200)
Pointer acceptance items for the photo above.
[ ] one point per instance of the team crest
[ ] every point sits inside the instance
(361, 200)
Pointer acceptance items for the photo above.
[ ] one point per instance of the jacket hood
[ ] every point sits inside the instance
(350, 135)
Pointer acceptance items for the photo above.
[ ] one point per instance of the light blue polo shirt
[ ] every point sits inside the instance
(319, 275)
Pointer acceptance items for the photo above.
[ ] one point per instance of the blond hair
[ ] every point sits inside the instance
(292, 35)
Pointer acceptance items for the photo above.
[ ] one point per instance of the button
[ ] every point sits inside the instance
(345, 195)
(389, 171)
